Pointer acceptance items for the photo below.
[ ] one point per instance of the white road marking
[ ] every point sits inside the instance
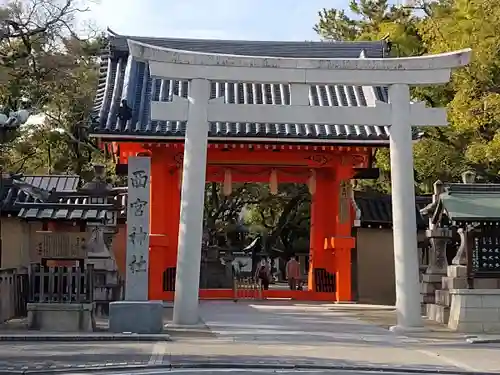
(449, 361)
(159, 351)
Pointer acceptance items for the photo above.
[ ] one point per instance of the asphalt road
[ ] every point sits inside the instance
(51, 356)
(47, 357)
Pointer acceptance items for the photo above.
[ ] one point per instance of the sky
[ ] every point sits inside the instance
(213, 19)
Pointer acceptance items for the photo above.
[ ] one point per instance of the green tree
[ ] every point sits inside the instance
(435, 27)
(282, 219)
(32, 54)
(46, 64)
(373, 20)
(474, 109)
(222, 212)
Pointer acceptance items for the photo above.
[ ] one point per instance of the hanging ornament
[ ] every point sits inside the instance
(228, 183)
(311, 184)
(273, 182)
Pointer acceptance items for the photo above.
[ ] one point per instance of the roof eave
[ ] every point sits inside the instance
(290, 140)
(472, 218)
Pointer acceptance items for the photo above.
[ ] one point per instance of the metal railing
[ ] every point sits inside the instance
(247, 288)
(61, 284)
(13, 294)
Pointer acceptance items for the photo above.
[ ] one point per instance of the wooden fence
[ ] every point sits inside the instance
(13, 294)
(61, 284)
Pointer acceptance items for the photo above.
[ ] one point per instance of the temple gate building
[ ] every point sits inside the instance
(182, 112)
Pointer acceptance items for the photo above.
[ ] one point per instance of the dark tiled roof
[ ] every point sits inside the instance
(74, 208)
(377, 210)
(124, 78)
(315, 50)
(59, 183)
(11, 195)
(472, 188)
(26, 206)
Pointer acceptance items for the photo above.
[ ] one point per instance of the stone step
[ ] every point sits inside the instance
(454, 283)
(429, 288)
(442, 298)
(457, 271)
(440, 314)
(427, 298)
(432, 278)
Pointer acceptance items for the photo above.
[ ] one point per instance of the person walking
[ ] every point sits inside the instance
(293, 273)
(263, 274)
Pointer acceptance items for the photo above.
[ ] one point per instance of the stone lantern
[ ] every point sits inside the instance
(438, 238)
(101, 193)
(469, 177)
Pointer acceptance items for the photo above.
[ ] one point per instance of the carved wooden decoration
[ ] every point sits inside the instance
(63, 245)
(319, 159)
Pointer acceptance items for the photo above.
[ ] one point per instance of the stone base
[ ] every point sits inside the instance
(432, 278)
(136, 317)
(400, 330)
(438, 313)
(475, 310)
(61, 317)
(443, 298)
(455, 283)
(486, 283)
(430, 285)
(197, 326)
(456, 271)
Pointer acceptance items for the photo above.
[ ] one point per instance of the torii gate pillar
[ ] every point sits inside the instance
(403, 211)
(187, 280)
(400, 114)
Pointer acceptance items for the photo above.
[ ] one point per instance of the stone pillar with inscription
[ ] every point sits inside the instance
(137, 314)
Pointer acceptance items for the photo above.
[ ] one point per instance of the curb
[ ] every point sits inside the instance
(290, 366)
(479, 340)
(84, 369)
(236, 366)
(88, 338)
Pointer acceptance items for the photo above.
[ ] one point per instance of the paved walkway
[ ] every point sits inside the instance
(325, 333)
(268, 332)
